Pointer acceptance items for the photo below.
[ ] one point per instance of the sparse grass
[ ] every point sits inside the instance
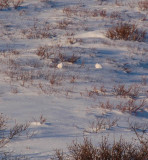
(126, 31)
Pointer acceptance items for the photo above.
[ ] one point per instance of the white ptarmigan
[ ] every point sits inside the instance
(60, 65)
(98, 66)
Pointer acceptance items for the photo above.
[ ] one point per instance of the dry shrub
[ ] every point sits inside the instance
(101, 1)
(68, 11)
(103, 13)
(3, 122)
(95, 13)
(17, 3)
(92, 93)
(103, 90)
(55, 79)
(59, 155)
(131, 106)
(4, 4)
(101, 123)
(126, 31)
(79, 12)
(74, 11)
(70, 59)
(63, 24)
(6, 134)
(44, 52)
(119, 150)
(55, 54)
(73, 79)
(72, 40)
(14, 90)
(115, 15)
(144, 80)
(39, 31)
(143, 5)
(45, 1)
(85, 151)
(132, 91)
(52, 52)
(106, 105)
(141, 132)
(42, 119)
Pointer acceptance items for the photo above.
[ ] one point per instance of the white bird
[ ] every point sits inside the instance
(60, 65)
(98, 66)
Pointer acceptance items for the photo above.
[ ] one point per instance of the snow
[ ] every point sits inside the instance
(67, 94)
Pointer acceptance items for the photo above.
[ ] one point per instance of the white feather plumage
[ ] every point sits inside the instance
(98, 66)
(60, 65)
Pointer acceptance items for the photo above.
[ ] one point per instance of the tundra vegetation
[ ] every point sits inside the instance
(81, 67)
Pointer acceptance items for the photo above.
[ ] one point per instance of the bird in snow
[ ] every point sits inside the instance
(60, 65)
(98, 66)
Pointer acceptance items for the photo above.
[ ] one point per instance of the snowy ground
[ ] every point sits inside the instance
(70, 98)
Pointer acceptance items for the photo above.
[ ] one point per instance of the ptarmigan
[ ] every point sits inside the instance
(60, 65)
(98, 66)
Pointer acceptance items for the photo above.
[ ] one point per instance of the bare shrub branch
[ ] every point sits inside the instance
(143, 5)
(132, 91)
(119, 150)
(126, 31)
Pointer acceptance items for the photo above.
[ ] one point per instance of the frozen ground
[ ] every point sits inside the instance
(70, 98)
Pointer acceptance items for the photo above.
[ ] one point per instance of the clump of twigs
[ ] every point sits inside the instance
(126, 31)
